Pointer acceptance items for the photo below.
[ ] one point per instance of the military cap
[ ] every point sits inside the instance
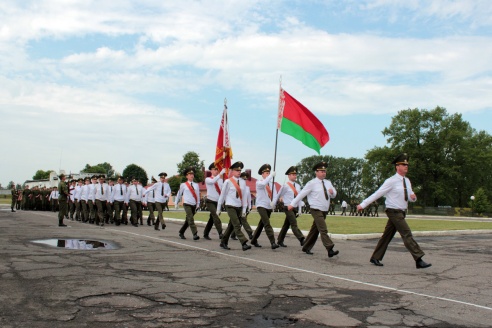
(401, 159)
(238, 166)
(111, 179)
(212, 166)
(61, 176)
(80, 179)
(87, 178)
(134, 179)
(163, 174)
(153, 180)
(189, 169)
(101, 176)
(121, 178)
(321, 166)
(290, 170)
(93, 177)
(265, 168)
(244, 175)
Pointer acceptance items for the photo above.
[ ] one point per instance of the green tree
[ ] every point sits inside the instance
(481, 203)
(40, 174)
(10, 185)
(104, 168)
(192, 159)
(174, 183)
(439, 146)
(344, 173)
(135, 171)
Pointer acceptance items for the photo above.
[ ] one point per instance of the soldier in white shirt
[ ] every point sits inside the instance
(71, 199)
(118, 200)
(288, 192)
(190, 193)
(54, 199)
(92, 200)
(84, 197)
(161, 191)
(109, 203)
(214, 185)
(149, 196)
(398, 191)
(101, 196)
(232, 194)
(344, 208)
(134, 200)
(78, 200)
(318, 192)
(264, 196)
(244, 219)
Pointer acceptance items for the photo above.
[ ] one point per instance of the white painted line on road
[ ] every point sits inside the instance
(403, 291)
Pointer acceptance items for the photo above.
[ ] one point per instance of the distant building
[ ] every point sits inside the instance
(53, 180)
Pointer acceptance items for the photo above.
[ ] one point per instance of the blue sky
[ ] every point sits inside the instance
(144, 81)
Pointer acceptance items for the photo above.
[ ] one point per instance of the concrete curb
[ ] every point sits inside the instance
(368, 235)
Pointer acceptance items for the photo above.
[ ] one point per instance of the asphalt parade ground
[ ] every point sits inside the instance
(148, 278)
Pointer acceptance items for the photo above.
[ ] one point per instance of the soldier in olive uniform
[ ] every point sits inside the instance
(63, 200)
(15, 195)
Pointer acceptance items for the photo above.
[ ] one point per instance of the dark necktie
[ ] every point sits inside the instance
(136, 190)
(102, 191)
(162, 190)
(405, 189)
(121, 190)
(324, 189)
(153, 193)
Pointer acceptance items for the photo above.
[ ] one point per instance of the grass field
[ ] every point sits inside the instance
(348, 224)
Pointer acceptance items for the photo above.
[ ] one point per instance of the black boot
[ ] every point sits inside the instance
(302, 240)
(332, 253)
(274, 246)
(156, 225)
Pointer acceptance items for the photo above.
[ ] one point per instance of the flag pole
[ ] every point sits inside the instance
(225, 128)
(276, 134)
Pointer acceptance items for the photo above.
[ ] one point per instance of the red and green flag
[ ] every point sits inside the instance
(297, 121)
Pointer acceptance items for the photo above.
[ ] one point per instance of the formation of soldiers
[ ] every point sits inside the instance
(34, 199)
(92, 200)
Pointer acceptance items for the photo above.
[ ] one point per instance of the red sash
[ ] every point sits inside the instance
(238, 189)
(269, 191)
(217, 187)
(192, 191)
(293, 189)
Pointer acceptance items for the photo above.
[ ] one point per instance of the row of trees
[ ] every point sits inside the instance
(449, 161)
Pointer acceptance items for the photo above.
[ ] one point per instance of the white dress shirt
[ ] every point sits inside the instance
(229, 194)
(287, 194)
(84, 194)
(248, 198)
(393, 189)
(134, 193)
(78, 192)
(212, 193)
(119, 192)
(162, 191)
(188, 197)
(316, 194)
(262, 197)
(92, 191)
(102, 192)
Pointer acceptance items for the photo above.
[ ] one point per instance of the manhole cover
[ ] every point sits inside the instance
(77, 243)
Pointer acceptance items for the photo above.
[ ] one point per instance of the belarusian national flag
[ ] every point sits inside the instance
(297, 121)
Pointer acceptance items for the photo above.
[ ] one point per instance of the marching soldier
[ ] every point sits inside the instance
(214, 186)
(149, 197)
(244, 219)
(191, 202)
(134, 200)
(101, 196)
(91, 199)
(62, 199)
(84, 198)
(54, 195)
(232, 194)
(264, 206)
(319, 192)
(161, 197)
(118, 200)
(109, 203)
(78, 200)
(398, 191)
(288, 192)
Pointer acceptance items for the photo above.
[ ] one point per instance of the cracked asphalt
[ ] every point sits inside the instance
(155, 279)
